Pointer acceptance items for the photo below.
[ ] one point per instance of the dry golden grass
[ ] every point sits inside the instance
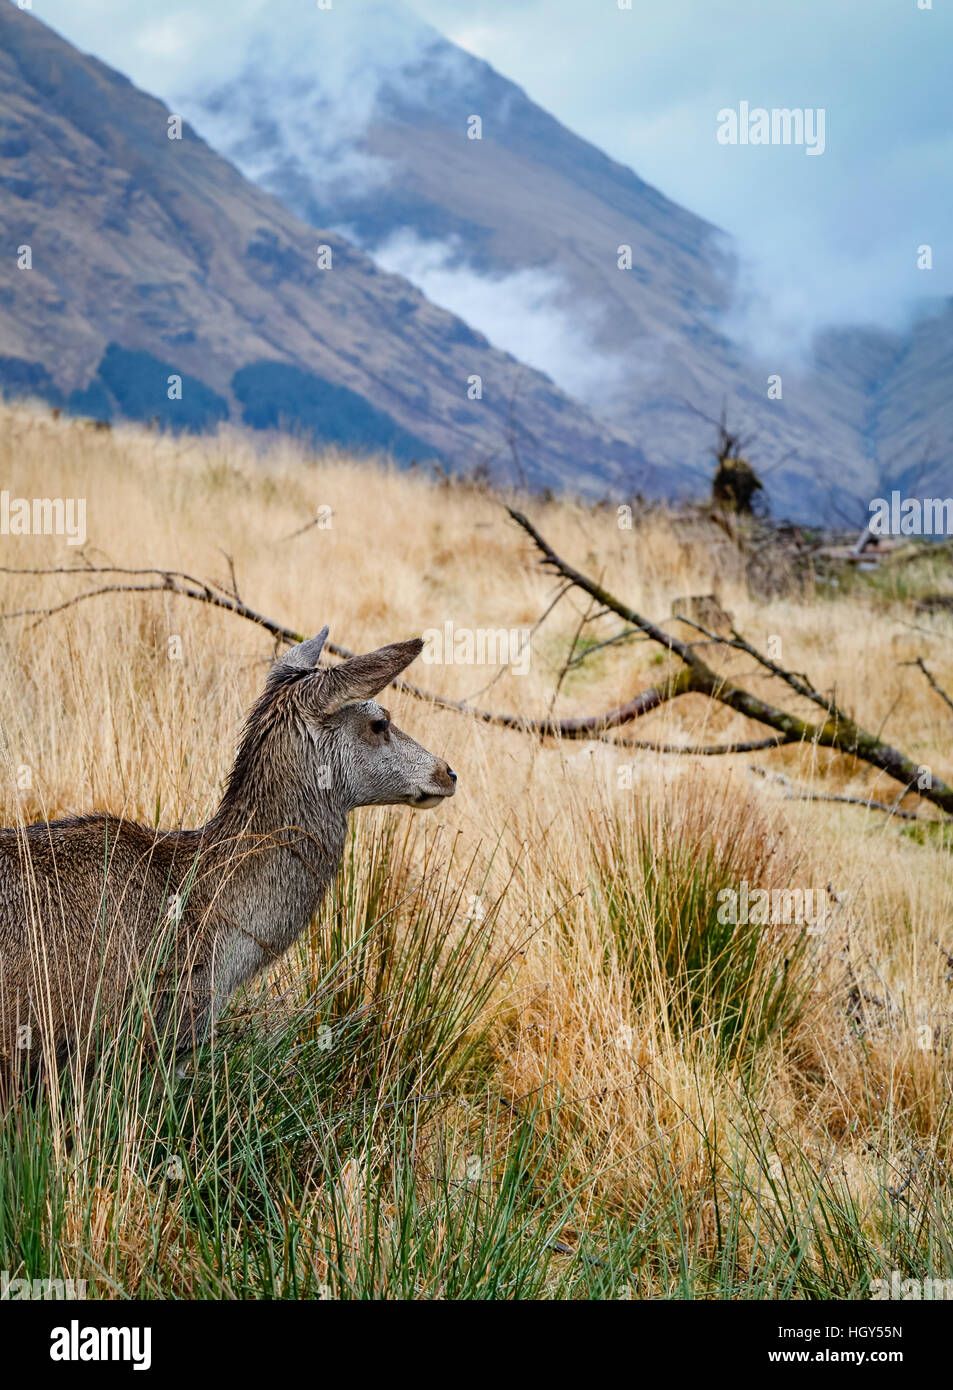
(96, 715)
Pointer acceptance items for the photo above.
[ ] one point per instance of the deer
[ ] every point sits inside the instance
(100, 916)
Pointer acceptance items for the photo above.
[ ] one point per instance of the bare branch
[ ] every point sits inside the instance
(794, 793)
(837, 731)
(795, 679)
(938, 688)
(185, 586)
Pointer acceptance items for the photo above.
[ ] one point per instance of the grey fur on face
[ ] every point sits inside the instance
(96, 911)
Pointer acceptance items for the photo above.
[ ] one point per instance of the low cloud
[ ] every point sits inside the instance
(525, 312)
(824, 240)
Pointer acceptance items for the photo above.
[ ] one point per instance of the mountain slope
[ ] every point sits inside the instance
(153, 257)
(655, 356)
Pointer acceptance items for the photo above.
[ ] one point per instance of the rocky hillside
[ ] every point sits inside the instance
(399, 171)
(134, 258)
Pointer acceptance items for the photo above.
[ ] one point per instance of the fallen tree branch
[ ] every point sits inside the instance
(933, 682)
(794, 793)
(170, 581)
(695, 677)
(596, 726)
(709, 750)
(837, 731)
(795, 679)
(187, 586)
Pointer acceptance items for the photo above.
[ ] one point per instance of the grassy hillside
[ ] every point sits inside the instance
(518, 1055)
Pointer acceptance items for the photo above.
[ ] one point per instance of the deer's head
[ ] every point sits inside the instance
(344, 740)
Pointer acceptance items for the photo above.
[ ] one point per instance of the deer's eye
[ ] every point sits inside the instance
(380, 726)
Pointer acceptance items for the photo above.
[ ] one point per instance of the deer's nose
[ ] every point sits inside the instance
(451, 774)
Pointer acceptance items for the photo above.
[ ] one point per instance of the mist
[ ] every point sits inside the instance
(831, 240)
(524, 312)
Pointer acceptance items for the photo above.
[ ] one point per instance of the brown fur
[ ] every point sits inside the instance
(103, 920)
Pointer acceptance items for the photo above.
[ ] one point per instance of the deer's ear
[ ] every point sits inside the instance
(305, 656)
(363, 677)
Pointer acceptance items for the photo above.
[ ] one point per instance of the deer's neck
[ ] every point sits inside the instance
(271, 853)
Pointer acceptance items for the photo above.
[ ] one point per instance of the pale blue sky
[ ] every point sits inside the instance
(828, 238)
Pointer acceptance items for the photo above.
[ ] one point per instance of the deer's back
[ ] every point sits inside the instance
(85, 903)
